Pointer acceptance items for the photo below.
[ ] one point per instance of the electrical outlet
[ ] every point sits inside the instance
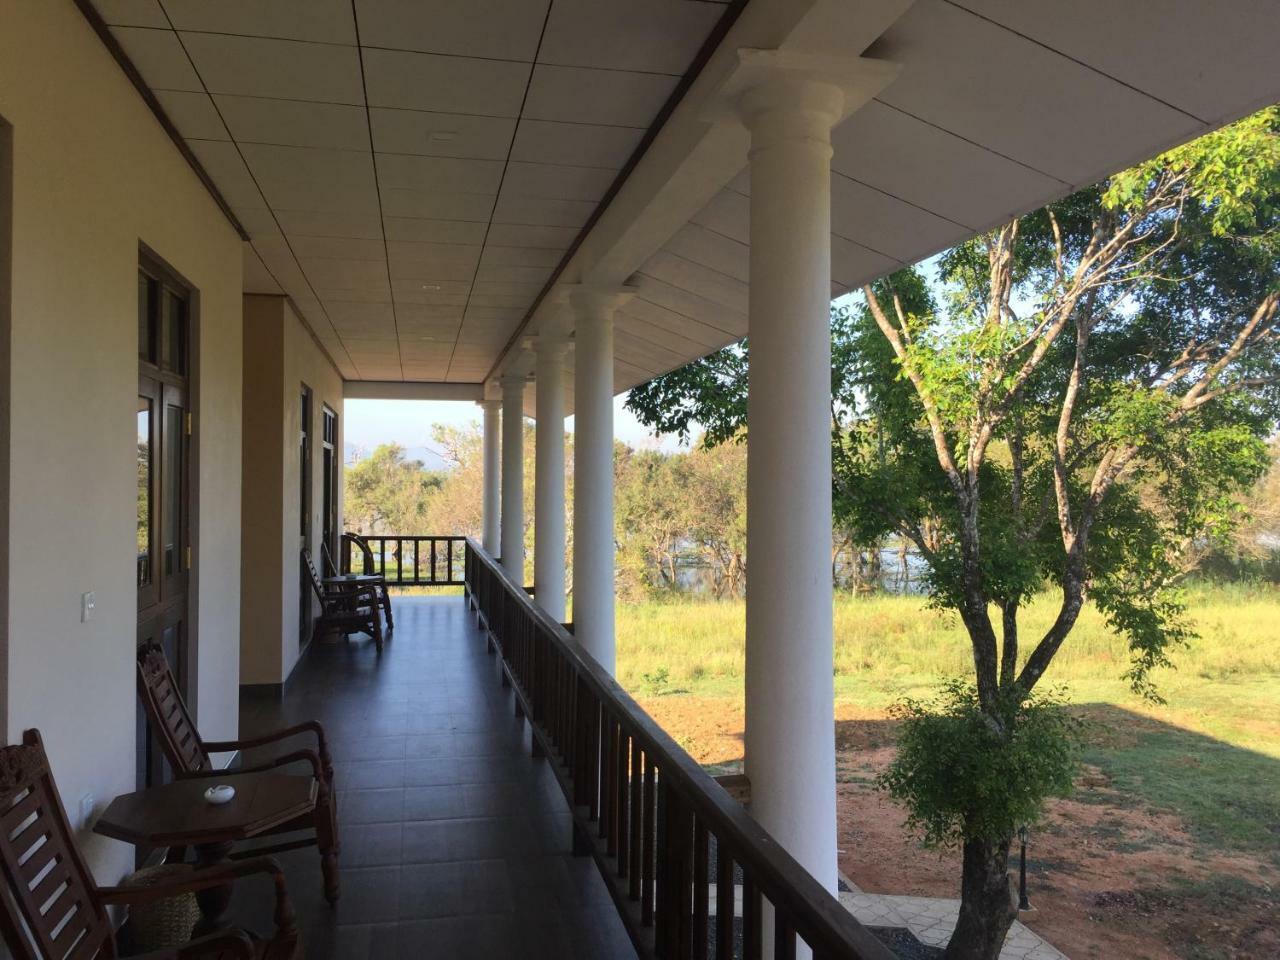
(87, 804)
(87, 604)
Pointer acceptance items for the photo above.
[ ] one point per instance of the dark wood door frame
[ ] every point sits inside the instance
(172, 599)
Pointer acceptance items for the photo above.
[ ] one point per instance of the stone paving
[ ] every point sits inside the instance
(932, 919)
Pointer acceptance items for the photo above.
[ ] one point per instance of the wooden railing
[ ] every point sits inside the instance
(666, 836)
(408, 560)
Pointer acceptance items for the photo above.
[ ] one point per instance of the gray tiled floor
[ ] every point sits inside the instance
(455, 842)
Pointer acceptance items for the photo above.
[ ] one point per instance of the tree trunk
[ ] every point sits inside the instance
(987, 907)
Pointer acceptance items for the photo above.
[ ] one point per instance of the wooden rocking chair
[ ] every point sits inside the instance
(55, 909)
(350, 540)
(188, 755)
(346, 607)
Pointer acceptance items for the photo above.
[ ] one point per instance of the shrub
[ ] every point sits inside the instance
(964, 774)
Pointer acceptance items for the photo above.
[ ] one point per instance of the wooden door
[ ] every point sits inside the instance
(304, 519)
(164, 488)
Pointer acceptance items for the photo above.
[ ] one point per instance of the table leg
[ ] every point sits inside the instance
(213, 901)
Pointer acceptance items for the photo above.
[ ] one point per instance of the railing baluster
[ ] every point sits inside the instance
(648, 846)
(752, 919)
(432, 576)
(635, 843)
(666, 925)
(701, 888)
(602, 773)
(621, 829)
(725, 901)
(784, 937)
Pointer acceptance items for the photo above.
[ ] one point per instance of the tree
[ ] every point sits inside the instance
(385, 493)
(1074, 397)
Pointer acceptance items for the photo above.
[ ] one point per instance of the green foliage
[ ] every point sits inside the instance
(964, 774)
(656, 682)
(387, 493)
(707, 394)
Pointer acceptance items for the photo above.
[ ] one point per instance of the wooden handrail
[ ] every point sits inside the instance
(644, 807)
(436, 560)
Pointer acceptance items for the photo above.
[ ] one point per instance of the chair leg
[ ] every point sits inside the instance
(376, 625)
(386, 608)
(328, 843)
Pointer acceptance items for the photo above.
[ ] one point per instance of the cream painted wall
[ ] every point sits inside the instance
(261, 508)
(280, 357)
(94, 176)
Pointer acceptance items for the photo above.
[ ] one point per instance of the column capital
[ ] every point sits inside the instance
(810, 89)
(550, 345)
(513, 383)
(592, 300)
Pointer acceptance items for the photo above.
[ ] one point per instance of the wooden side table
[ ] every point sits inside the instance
(177, 815)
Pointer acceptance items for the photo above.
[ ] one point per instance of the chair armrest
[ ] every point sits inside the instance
(296, 756)
(219, 875)
(227, 945)
(310, 726)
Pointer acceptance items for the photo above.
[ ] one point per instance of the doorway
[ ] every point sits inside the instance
(329, 526)
(304, 519)
(164, 428)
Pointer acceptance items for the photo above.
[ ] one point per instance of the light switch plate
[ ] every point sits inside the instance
(87, 604)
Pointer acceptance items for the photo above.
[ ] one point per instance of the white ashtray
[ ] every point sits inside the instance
(220, 794)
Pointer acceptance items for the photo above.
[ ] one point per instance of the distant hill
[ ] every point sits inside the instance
(354, 453)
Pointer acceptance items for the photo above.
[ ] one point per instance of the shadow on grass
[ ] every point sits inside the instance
(1228, 796)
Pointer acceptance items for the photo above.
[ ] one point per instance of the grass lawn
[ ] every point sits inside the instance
(1175, 827)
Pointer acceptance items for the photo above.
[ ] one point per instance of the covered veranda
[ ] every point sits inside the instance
(456, 841)
(534, 206)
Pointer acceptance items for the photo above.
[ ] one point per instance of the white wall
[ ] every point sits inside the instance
(280, 358)
(94, 176)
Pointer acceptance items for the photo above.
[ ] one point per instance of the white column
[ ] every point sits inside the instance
(790, 738)
(492, 476)
(549, 476)
(512, 537)
(593, 544)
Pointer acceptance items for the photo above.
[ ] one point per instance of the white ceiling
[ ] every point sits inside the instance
(1001, 106)
(411, 172)
(415, 192)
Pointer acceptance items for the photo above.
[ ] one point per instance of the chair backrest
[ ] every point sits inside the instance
(362, 545)
(51, 907)
(326, 559)
(316, 583)
(167, 712)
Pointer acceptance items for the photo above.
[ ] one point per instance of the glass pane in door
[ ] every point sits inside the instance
(144, 491)
(171, 495)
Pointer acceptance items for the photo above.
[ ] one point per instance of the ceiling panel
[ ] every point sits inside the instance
(193, 114)
(657, 36)
(295, 123)
(439, 174)
(967, 77)
(496, 29)
(556, 181)
(324, 21)
(132, 13)
(285, 69)
(609, 97)
(159, 57)
(583, 144)
(441, 134)
(934, 169)
(1194, 53)
(422, 81)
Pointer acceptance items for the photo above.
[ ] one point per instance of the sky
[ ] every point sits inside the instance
(409, 423)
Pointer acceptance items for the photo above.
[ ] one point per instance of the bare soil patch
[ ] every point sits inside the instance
(1109, 876)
